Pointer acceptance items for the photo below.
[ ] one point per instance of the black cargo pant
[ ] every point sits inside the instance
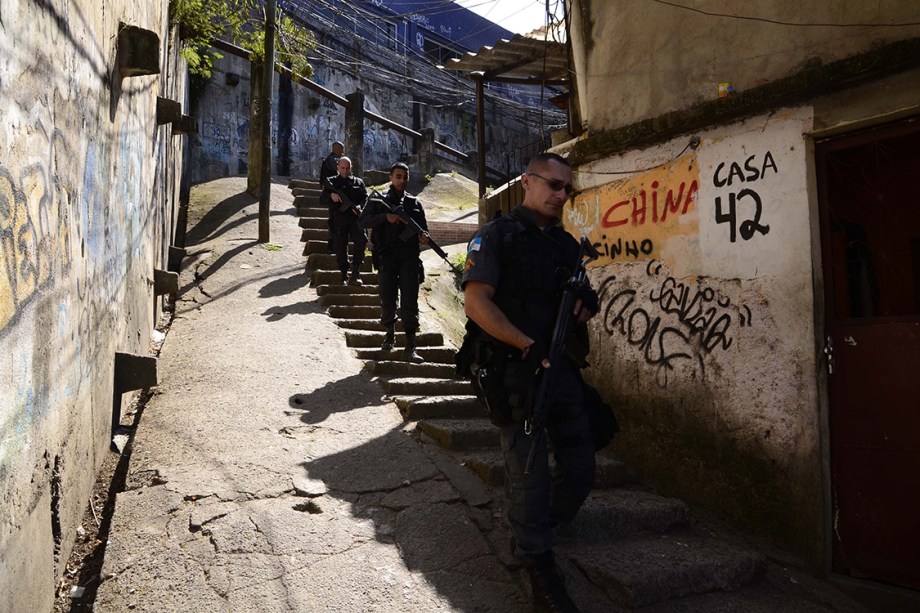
(548, 496)
(398, 276)
(345, 229)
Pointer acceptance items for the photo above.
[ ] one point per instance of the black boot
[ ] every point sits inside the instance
(549, 593)
(390, 339)
(409, 353)
(344, 277)
(355, 279)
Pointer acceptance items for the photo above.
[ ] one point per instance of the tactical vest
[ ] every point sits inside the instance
(535, 265)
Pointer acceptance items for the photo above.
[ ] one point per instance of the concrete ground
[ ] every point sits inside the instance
(268, 473)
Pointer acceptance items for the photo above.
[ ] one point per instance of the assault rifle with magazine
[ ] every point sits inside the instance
(347, 204)
(556, 354)
(413, 230)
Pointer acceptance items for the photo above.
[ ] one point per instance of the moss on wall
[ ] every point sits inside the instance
(694, 456)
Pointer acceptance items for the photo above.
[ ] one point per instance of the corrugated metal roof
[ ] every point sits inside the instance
(539, 55)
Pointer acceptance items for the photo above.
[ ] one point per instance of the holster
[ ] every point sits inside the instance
(503, 383)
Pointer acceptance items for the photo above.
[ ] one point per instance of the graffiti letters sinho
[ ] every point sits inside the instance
(676, 322)
(745, 203)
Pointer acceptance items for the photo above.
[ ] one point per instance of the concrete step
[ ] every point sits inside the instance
(327, 261)
(438, 355)
(488, 464)
(440, 407)
(340, 290)
(311, 209)
(644, 570)
(308, 202)
(307, 191)
(370, 313)
(314, 234)
(390, 368)
(334, 277)
(461, 434)
(311, 247)
(352, 299)
(303, 183)
(366, 340)
(422, 386)
(313, 222)
(366, 324)
(620, 512)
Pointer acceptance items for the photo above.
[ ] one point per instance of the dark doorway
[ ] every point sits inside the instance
(869, 195)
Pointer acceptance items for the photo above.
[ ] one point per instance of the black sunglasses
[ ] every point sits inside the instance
(555, 184)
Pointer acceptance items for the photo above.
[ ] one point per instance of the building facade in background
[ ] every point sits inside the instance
(749, 176)
(392, 52)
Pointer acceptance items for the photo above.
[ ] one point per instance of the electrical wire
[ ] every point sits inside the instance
(347, 62)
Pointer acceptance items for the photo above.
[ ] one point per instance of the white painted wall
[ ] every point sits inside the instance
(704, 311)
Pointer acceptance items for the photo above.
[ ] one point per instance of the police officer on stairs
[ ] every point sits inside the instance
(344, 226)
(516, 268)
(396, 257)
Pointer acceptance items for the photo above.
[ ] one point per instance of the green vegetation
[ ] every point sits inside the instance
(240, 22)
(458, 260)
(271, 246)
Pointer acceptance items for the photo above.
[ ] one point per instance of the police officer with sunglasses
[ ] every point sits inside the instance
(516, 269)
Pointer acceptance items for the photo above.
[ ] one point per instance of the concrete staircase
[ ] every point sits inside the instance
(628, 548)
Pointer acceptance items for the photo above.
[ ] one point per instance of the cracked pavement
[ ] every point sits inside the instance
(268, 471)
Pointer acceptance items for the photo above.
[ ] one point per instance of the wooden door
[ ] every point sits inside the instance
(869, 194)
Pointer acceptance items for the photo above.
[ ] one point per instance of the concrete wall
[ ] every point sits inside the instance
(88, 194)
(705, 337)
(220, 149)
(639, 59)
(711, 325)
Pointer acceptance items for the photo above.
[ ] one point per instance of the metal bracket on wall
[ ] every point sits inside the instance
(138, 51)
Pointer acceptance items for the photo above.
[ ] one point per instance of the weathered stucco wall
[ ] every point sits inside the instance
(705, 337)
(221, 147)
(638, 59)
(88, 193)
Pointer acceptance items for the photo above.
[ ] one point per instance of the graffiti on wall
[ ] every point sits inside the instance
(34, 233)
(671, 322)
(631, 219)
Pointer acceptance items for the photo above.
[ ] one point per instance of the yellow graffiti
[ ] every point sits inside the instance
(636, 218)
(7, 259)
(34, 238)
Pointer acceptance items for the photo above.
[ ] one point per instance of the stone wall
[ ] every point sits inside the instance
(89, 189)
(220, 149)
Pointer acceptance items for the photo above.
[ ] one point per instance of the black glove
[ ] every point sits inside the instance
(535, 353)
(589, 300)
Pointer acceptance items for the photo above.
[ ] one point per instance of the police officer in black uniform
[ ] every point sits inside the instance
(516, 269)
(396, 257)
(344, 226)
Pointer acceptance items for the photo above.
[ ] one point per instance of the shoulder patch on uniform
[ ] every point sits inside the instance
(475, 245)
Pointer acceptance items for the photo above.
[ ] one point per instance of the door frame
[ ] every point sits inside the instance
(876, 593)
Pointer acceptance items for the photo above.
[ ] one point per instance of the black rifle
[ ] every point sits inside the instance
(576, 283)
(412, 228)
(346, 204)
